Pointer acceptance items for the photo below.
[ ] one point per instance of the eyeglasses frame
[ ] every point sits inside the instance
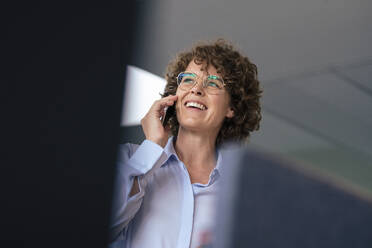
(203, 82)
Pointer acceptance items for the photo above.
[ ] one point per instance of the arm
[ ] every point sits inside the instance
(134, 165)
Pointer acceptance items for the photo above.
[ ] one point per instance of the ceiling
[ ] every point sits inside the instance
(315, 66)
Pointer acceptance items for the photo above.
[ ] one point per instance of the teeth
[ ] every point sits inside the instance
(195, 104)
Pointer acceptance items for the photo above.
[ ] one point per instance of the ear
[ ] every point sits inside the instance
(230, 113)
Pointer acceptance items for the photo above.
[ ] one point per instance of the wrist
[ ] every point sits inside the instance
(160, 142)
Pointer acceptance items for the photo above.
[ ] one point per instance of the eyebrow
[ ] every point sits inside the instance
(187, 72)
(209, 76)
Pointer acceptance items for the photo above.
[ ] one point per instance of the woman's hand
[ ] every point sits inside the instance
(151, 123)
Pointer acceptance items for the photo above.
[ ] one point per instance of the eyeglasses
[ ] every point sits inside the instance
(212, 84)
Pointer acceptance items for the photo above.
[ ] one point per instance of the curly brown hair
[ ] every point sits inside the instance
(240, 76)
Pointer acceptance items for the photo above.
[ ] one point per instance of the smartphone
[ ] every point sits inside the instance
(168, 113)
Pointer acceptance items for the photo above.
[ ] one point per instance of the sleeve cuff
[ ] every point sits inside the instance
(146, 155)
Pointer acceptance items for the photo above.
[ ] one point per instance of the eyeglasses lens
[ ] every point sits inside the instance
(212, 84)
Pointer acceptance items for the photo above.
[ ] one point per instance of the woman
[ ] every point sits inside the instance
(165, 190)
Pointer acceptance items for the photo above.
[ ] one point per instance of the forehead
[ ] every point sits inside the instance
(200, 69)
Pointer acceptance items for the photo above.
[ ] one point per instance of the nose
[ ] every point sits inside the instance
(197, 89)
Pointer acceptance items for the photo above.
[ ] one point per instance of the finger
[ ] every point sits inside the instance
(171, 97)
(169, 100)
(164, 102)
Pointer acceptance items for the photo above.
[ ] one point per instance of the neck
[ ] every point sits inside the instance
(197, 152)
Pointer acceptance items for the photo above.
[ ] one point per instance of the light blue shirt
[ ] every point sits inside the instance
(168, 211)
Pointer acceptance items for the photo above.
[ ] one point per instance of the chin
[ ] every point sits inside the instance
(192, 125)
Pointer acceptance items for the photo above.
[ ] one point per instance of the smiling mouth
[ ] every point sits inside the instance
(195, 105)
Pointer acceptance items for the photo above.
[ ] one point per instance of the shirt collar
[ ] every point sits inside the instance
(219, 162)
(171, 152)
(169, 149)
(217, 170)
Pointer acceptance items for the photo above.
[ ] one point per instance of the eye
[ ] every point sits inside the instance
(188, 80)
(214, 84)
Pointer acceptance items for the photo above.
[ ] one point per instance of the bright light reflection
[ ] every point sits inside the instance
(142, 89)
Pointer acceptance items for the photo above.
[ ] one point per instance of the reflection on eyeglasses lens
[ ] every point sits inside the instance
(212, 84)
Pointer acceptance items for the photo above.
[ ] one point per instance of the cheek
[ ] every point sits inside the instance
(221, 102)
(180, 95)
(222, 106)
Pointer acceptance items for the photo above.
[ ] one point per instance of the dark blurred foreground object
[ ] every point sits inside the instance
(265, 202)
(62, 82)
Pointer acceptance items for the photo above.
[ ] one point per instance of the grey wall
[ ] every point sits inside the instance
(315, 65)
